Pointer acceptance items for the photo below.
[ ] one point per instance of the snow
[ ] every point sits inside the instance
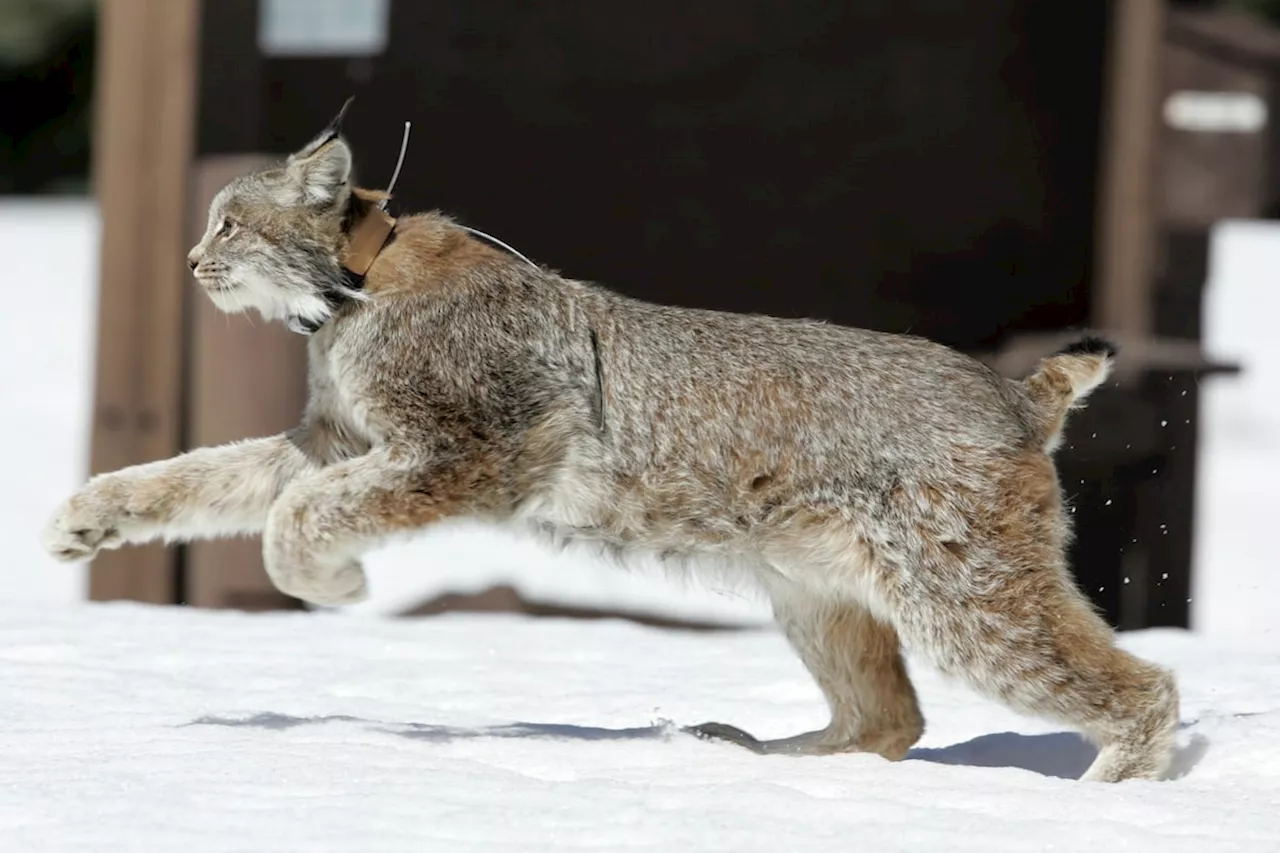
(467, 557)
(1237, 578)
(47, 330)
(126, 727)
(136, 728)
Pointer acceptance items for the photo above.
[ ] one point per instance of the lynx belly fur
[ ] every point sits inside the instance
(887, 494)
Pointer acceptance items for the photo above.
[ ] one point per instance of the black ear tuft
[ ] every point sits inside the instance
(332, 131)
(336, 124)
(1090, 345)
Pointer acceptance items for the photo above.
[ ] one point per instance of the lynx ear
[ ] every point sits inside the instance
(322, 167)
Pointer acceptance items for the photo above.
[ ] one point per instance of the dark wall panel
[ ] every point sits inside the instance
(923, 164)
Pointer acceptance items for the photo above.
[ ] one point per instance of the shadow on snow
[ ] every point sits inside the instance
(1063, 755)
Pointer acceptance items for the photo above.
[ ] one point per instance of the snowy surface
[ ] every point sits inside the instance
(1237, 565)
(467, 557)
(130, 728)
(47, 330)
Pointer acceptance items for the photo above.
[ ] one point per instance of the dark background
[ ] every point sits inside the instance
(851, 161)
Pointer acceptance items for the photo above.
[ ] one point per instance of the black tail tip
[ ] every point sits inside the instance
(1090, 345)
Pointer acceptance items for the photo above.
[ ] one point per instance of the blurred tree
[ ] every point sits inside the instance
(46, 83)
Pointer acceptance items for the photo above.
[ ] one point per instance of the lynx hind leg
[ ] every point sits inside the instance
(1059, 662)
(1015, 626)
(857, 663)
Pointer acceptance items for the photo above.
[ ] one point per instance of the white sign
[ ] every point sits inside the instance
(322, 27)
(1215, 112)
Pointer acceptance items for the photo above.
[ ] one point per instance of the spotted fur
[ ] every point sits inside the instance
(887, 493)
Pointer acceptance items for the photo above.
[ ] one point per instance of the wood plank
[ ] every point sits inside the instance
(1126, 231)
(142, 147)
(247, 379)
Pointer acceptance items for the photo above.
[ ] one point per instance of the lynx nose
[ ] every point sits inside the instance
(193, 259)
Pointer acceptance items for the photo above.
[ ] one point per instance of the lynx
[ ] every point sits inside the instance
(889, 495)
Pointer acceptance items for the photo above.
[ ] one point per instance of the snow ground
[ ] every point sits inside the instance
(134, 728)
(131, 728)
(1237, 572)
(47, 332)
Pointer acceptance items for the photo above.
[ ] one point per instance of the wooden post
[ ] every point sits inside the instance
(1126, 232)
(246, 379)
(145, 120)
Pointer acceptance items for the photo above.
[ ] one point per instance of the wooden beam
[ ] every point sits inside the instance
(145, 110)
(1126, 233)
(245, 379)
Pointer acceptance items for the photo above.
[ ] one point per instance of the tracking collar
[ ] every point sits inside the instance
(367, 238)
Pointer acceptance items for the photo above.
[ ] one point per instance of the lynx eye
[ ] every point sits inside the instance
(227, 226)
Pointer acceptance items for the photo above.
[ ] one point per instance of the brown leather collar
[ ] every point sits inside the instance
(368, 237)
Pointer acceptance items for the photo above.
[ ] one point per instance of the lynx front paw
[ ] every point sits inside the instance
(81, 527)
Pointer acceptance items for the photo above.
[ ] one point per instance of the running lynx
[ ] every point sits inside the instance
(887, 494)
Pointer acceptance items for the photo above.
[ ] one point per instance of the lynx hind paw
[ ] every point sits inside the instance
(345, 586)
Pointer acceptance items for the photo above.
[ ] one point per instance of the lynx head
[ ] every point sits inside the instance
(275, 237)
